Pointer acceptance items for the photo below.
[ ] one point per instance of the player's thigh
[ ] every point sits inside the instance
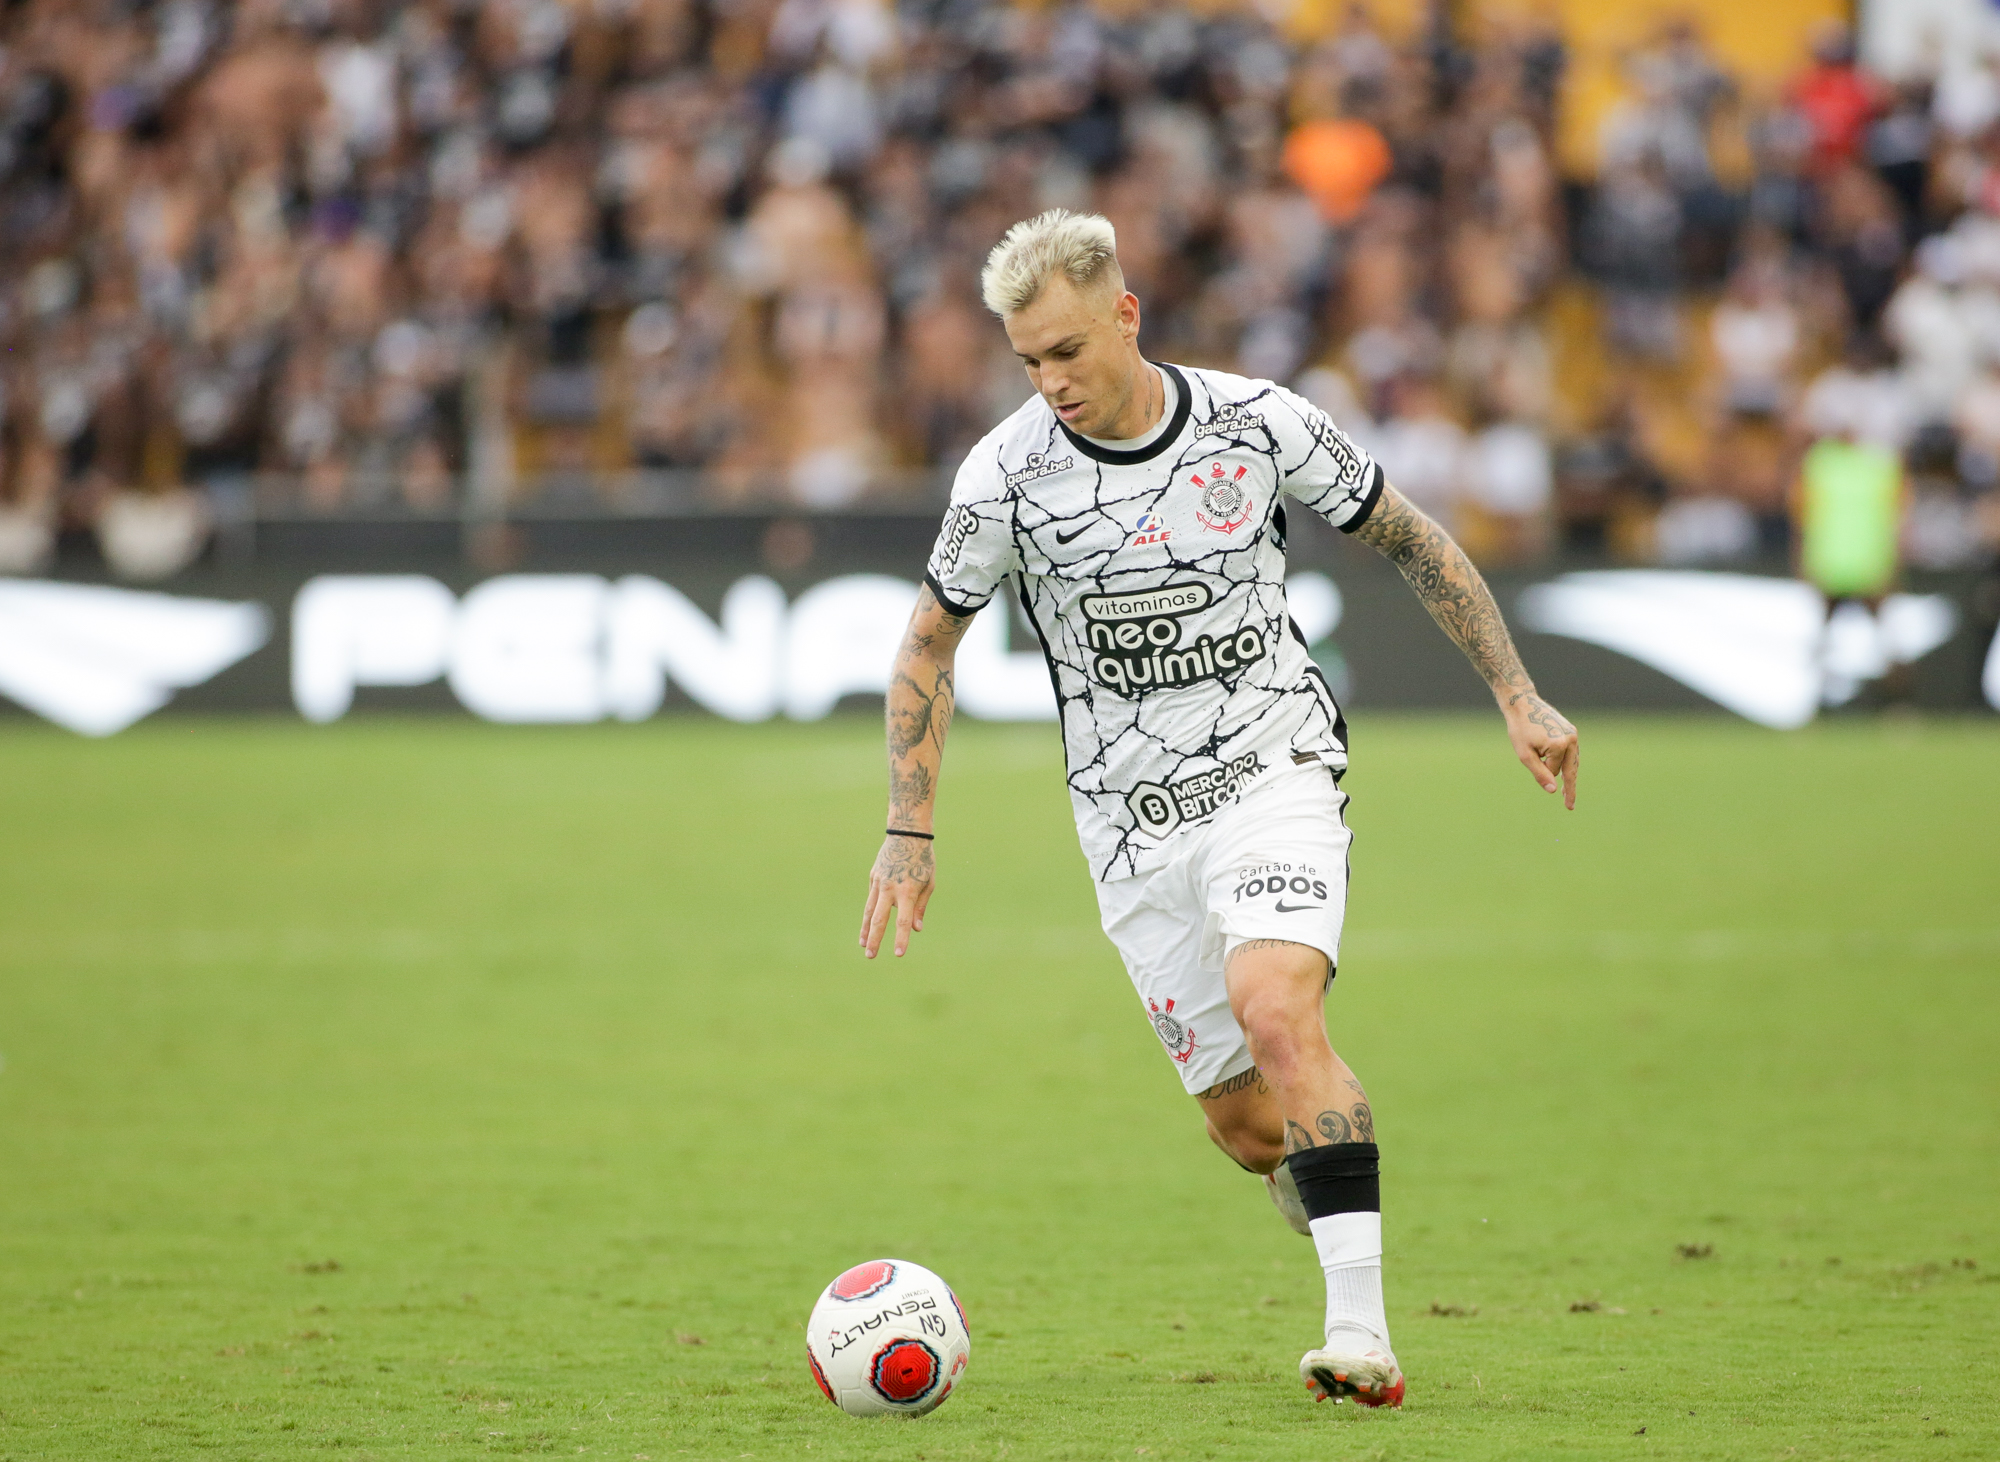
(1281, 871)
(1276, 986)
(1157, 923)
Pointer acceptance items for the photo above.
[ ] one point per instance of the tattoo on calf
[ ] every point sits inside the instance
(1356, 1124)
(1364, 1123)
(1242, 1081)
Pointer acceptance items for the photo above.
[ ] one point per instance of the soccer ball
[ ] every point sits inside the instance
(887, 1338)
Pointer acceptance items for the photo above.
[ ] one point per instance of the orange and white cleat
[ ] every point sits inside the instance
(1369, 1378)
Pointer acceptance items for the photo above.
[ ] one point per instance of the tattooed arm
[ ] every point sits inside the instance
(920, 703)
(1460, 602)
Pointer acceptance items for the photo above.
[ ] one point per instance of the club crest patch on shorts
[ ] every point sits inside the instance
(1175, 1035)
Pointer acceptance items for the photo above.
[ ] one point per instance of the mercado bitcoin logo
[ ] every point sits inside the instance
(1159, 810)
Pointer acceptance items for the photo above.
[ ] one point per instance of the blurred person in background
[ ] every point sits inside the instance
(1849, 504)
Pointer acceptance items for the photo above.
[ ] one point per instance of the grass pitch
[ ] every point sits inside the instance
(427, 1089)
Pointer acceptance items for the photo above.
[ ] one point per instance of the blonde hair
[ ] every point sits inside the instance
(1081, 246)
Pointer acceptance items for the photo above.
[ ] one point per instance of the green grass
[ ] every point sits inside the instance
(427, 1089)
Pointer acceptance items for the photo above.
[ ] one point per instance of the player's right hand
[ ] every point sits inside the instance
(899, 884)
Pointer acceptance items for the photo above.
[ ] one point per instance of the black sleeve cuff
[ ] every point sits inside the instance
(949, 604)
(1368, 501)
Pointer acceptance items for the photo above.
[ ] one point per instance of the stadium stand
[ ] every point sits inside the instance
(351, 257)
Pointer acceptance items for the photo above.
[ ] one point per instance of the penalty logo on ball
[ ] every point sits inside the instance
(887, 1338)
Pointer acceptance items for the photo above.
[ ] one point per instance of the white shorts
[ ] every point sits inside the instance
(1271, 866)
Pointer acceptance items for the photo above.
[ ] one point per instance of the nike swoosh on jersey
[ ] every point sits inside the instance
(1296, 908)
(1062, 537)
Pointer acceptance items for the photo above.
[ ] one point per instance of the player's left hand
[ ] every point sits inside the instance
(899, 888)
(1546, 743)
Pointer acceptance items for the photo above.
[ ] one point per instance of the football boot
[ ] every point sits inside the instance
(1367, 1378)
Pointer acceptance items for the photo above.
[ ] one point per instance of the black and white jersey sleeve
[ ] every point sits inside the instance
(975, 550)
(1319, 466)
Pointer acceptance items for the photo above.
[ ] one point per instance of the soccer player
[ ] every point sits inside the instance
(1138, 509)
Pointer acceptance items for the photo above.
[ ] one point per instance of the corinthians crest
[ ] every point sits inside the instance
(1225, 502)
(1177, 1037)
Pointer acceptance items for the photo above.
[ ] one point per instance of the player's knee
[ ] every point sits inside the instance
(1283, 1035)
(1253, 1145)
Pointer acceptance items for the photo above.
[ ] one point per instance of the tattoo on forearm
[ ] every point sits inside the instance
(911, 785)
(917, 715)
(1242, 1081)
(1450, 587)
(918, 708)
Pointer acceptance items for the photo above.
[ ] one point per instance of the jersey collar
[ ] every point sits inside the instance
(1152, 449)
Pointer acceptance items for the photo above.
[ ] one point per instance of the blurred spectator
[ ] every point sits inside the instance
(1632, 240)
(1508, 489)
(1338, 161)
(1942, 529)
(1699, 528)
(1835, 97)
(1422, 449)
(1607, 489)
(1864, 398)
(1757, 336)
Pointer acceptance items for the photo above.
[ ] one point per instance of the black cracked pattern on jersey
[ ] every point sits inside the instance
(1066, 533)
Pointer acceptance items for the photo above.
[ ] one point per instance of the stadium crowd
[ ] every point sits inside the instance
(338, 256)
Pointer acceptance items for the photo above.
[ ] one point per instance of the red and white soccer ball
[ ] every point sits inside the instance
(887, 1339)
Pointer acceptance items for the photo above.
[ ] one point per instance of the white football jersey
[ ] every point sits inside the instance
(1156, 580)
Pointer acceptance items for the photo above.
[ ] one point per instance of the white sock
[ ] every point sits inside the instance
(1350, 1252)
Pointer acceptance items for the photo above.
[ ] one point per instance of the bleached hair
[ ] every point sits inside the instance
(1082, 246)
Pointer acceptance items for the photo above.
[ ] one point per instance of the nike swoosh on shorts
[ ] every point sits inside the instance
(1062, 537)
(1296, 908)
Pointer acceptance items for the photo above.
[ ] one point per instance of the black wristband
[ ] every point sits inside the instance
(903, 832)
